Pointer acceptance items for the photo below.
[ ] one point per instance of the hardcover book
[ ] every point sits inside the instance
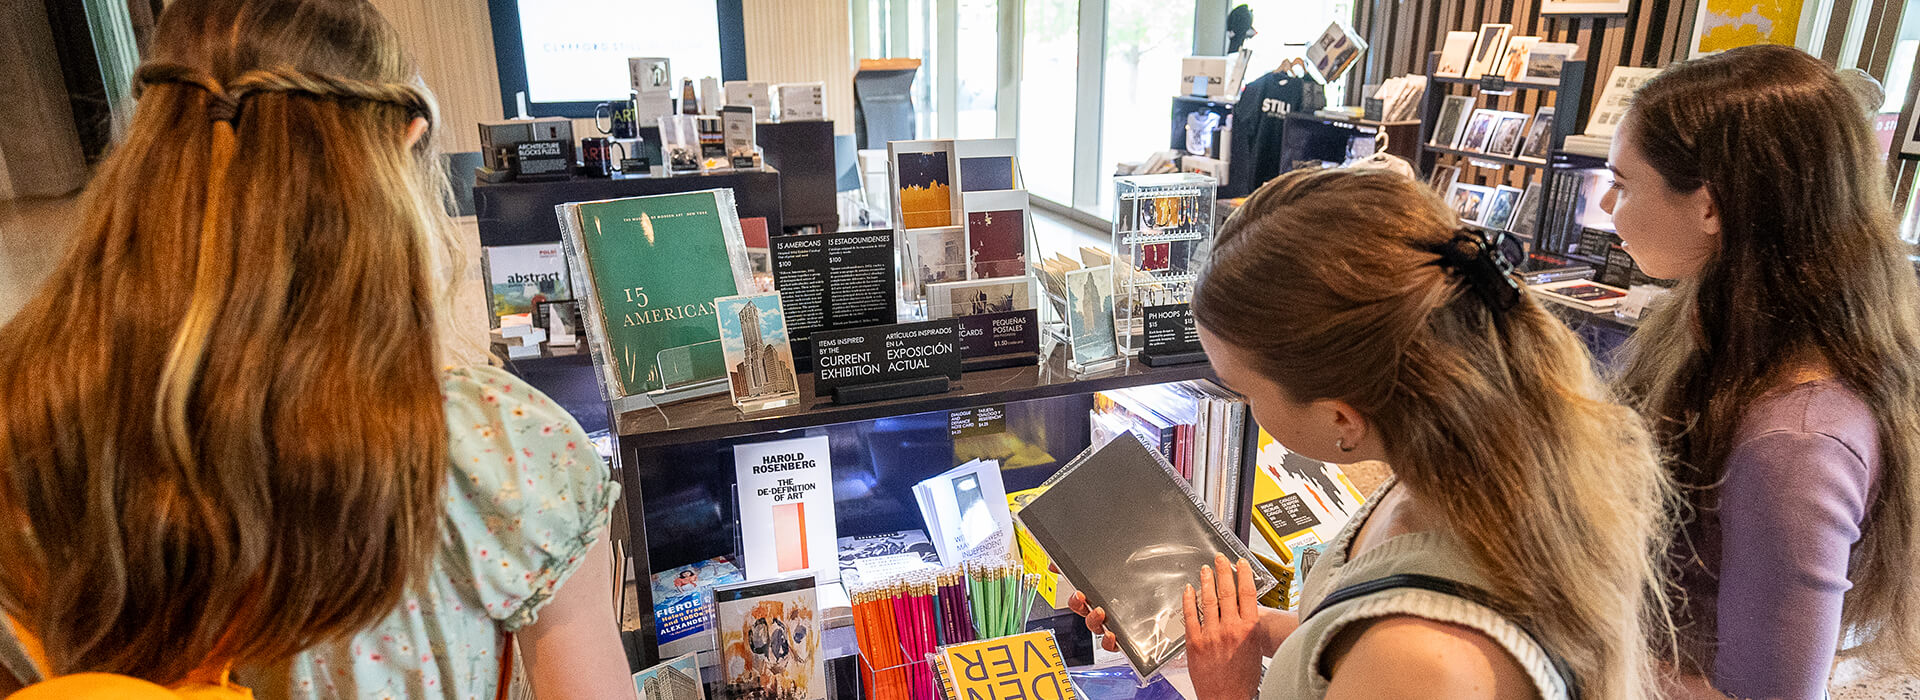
(1129, 549)
(653, 266)
(770, 640)
(786, 508)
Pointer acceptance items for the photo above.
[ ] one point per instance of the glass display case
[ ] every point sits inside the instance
(1162, 233)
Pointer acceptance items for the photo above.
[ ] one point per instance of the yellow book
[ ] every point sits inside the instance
(1020, 666)
(1297, 500)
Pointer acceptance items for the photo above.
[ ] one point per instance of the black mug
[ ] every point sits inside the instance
(597, 153)
(621, 123)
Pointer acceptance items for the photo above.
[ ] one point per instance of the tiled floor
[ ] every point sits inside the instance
(33, 236)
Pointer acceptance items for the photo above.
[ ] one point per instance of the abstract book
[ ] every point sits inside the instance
(653, 266)
(1297, 500)
(519, 276)
(786, 508)
(770, 640)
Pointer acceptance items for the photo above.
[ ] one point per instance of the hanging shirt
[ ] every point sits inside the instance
(1259, 121)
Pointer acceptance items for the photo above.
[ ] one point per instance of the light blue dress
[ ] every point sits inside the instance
(526, 496)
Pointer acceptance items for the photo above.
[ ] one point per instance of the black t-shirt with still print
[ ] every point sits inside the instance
(1259, 120)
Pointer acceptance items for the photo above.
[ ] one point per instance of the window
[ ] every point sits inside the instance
(1049, 78)
(1145, 41)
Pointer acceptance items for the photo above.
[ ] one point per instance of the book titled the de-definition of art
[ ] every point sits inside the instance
(786, 508)
(653, 267)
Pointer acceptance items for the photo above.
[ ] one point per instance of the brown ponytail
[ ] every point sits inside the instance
(221, 431)
(1331, 281)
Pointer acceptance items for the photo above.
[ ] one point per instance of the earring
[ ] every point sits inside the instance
(1342, 444)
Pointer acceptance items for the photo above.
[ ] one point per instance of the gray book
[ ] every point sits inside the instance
(1130, 535)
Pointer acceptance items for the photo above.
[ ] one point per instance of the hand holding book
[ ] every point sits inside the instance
(1227, 633)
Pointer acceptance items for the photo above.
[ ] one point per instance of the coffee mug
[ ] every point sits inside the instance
(597, 152)
(620, 123)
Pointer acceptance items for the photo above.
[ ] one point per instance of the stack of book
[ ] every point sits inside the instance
(1196, 425)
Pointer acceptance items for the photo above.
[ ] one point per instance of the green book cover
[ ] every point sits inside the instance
(657, 263)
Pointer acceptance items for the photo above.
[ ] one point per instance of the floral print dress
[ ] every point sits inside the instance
(526, 496)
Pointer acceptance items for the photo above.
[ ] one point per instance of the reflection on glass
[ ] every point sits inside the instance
(1145, 42)
(1047, 92)
(978, 69)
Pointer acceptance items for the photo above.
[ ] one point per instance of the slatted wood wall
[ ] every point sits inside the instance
(1653, 33)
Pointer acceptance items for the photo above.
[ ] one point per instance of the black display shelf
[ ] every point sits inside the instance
(1489, 157)
(1505, 85)
(712, 418)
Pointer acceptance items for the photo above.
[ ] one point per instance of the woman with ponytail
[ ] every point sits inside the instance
(1515, 552)
(240, 441)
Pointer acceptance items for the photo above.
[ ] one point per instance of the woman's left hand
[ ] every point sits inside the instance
(1225, 640)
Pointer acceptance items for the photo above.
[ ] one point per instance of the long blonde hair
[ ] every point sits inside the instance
(220, 420)
(1333, 282)
(1810, 268)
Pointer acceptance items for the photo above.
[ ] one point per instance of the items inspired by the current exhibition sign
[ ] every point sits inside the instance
(520, 276)
(915, 358)
(678, 679)
(1131, 550)
(753, 336)
(653, 266)
(1025, 665)
(786, 507)
(770, 640)
(965, 509)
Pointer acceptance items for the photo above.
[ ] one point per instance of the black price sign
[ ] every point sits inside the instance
(543, 158)
(1001, 333)
(834, 280)
(1288, 514)
(973, 422)
(878, 354)
(1494, 84)
(1170, 330)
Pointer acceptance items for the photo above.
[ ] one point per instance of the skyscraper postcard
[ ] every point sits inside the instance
(753, 338)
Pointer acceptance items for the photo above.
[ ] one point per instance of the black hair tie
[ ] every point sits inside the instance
(1472, 254)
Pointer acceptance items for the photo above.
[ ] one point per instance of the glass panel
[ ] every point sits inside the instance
(921, 25)
(1145, 41)
(1048, 88)
(978, 68)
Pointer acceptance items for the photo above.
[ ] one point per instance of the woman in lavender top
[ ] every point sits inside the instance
(1782, 374)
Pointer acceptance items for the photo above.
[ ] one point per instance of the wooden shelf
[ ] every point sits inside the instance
(715, 418)
(1488, 157)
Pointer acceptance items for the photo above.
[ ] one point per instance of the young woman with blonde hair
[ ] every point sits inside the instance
(236, 441)
(1783, 372)
(1363, 323)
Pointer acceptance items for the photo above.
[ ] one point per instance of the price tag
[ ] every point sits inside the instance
(1494, 84)
(1170, 330)
(1002, 333)
(973, 422)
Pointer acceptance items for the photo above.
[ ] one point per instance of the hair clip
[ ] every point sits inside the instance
(1474, 254)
